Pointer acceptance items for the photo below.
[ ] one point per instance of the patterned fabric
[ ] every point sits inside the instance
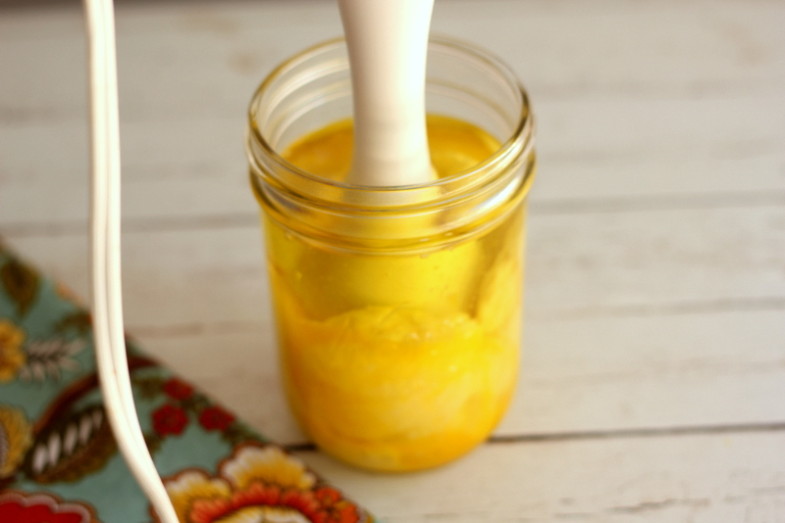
(58, 459)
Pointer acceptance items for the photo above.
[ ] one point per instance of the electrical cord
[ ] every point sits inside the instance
(108, 329)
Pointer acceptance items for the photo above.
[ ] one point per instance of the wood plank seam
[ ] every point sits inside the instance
(637, 433)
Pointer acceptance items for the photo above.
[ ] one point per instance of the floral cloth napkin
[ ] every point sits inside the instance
(58, 459)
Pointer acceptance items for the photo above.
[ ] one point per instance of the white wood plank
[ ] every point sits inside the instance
(187, 74)
(589, 375)
(691, 369)
(587, 264)
(697, 154)
(612, 48)
(638, 319)
(699, 479)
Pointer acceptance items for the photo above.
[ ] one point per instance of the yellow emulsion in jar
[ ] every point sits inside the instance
(405, 360)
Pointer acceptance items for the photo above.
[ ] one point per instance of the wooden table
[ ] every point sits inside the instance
(653, 386)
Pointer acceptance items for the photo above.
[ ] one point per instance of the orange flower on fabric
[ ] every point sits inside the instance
(12, 357)
(258, 484)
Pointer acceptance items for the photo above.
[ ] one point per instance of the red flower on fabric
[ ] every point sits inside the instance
(215, 418)
(169, 419)
(21, 507)
(178, 389)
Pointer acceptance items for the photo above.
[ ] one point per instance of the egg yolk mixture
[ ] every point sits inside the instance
(398, 361)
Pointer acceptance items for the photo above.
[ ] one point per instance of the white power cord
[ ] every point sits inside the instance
(106, 276)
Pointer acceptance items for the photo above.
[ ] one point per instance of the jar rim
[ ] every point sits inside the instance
(519, 142)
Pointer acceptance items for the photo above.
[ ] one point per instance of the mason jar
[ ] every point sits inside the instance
(398, 309)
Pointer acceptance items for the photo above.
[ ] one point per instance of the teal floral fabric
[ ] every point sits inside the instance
(58, 459)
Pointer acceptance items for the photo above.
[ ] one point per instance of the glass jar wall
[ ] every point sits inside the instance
(398, 309)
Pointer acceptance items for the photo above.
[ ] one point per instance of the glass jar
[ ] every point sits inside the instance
(398, 309)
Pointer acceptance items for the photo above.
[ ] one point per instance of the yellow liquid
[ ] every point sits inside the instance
(398, 362)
